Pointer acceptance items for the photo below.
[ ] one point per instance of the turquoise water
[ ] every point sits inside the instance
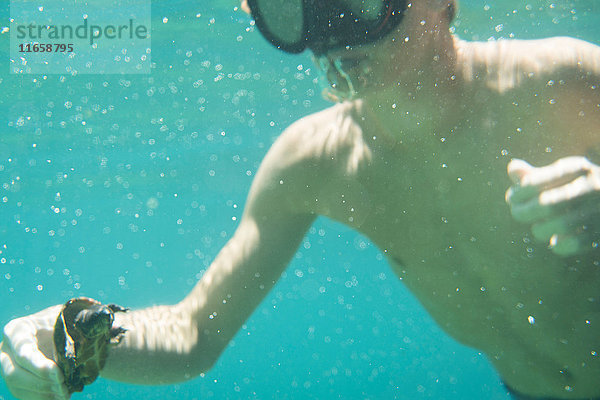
(132, 205)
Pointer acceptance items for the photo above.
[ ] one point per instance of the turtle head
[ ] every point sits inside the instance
(94, 321)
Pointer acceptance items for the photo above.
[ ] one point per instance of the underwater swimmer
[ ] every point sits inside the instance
(469, 164)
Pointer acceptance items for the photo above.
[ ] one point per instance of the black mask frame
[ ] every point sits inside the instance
(329, 24)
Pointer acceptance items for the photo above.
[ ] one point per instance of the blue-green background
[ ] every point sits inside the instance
(148, 173)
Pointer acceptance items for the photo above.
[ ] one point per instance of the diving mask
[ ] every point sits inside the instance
(324, 25)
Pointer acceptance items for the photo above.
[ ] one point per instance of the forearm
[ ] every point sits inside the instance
(167, 344)
(159, 347)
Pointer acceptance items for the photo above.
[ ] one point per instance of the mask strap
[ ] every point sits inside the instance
(351, 92)
(385, 20)
(333, 91)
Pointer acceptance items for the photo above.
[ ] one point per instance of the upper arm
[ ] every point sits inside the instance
(559, 77)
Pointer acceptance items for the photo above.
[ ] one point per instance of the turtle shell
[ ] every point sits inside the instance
(82, 334)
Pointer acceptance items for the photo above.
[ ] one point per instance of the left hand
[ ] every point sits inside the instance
(560, 200)
(27, 357)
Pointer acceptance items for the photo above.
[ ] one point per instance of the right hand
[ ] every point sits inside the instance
(27, 357)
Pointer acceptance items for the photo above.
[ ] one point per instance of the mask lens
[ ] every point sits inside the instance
(281, 22)
(351, 22)
(323, 25)
(367, 10)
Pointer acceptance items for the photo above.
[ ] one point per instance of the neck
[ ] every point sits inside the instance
(416, 92)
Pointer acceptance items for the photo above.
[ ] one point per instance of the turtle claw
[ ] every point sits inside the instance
(117, 308)
(116, 335)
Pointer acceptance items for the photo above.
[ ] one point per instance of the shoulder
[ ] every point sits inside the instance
(332, 138)
(505, 64)
(309, 157)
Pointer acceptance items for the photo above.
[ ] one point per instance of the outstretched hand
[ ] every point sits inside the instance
(26, 357)
(560, 200)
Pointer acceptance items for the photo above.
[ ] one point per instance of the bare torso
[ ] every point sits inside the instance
(424, 177)
(436, 208)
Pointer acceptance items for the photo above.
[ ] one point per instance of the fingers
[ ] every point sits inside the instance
(557, 173)
(573, 198)
(561, 199)
(574, 189)
(28, 373)
(30, 358)
(19, 335)
(565, 239)
(530, 211)
(517, 193)
(572, 222)
(517, 169)
(529, 181)
(572, 245)
(538, 190)
(569, 232)
(25, 385)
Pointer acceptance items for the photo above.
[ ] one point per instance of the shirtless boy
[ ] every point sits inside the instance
(434, 137)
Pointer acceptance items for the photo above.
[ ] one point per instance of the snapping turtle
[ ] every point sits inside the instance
(82, 333)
